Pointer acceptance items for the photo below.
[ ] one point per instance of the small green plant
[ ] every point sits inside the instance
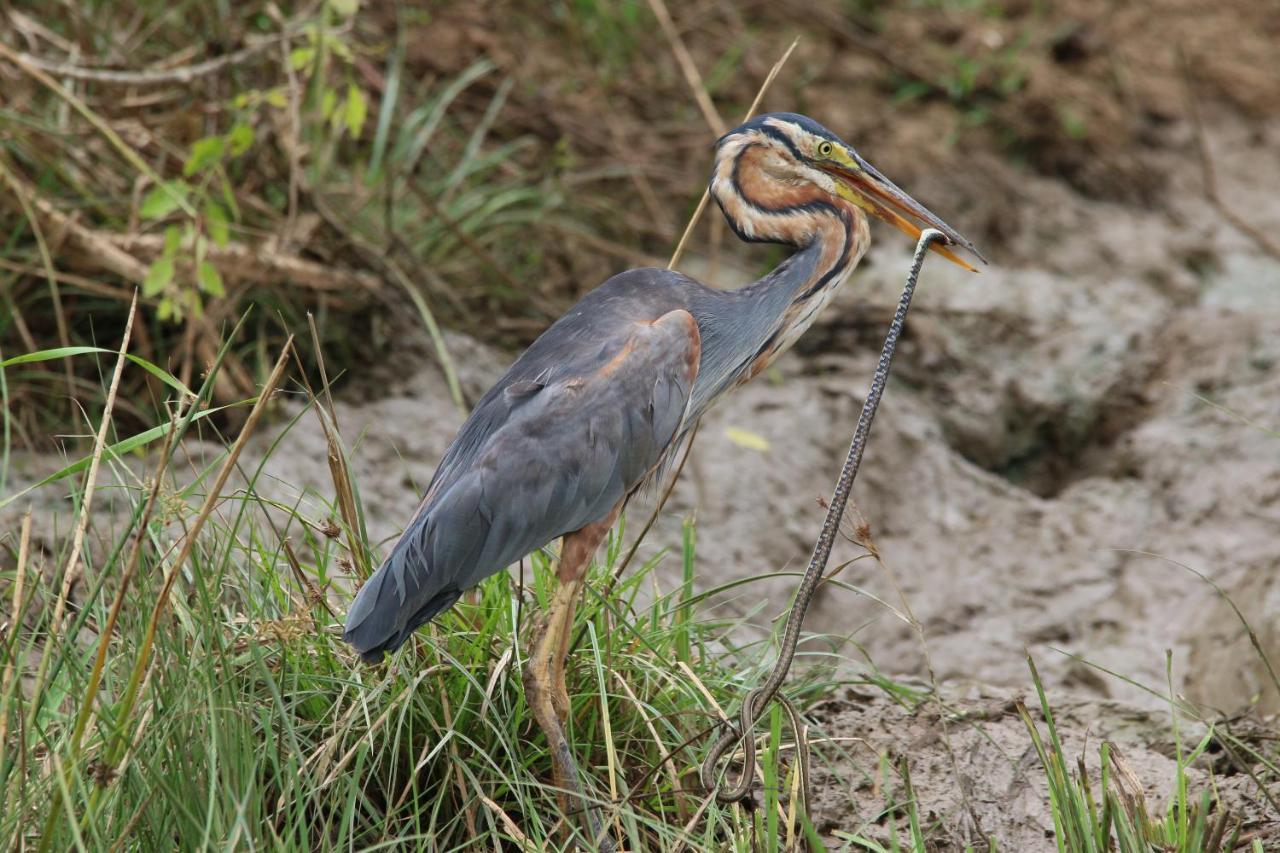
(894, 812)
(1114, 815)
(203, 198)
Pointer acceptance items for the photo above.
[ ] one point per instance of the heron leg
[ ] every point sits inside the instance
(544, 677)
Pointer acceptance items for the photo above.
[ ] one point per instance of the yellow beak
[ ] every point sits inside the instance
(861, 183)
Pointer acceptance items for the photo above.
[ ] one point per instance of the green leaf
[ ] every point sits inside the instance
(239, 138)
(344, 7)
(276, 97)
(328, 102)
(158, 277)
(210, 279)
(204, 153)
(65, 352)
(1073, 124)
(301, 57)
(357, 109)
(339, 47)
(163, 200)
(216, 223)
(748, 439)
(172, 241)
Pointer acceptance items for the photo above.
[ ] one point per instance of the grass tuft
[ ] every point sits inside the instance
(222, 707)
(1115, 815)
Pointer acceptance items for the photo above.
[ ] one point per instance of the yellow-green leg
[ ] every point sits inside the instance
(544, 679)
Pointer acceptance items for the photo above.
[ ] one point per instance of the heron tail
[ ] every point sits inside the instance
(378, 623)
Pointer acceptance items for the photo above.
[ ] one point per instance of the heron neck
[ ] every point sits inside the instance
(804, 284)
(750, 327)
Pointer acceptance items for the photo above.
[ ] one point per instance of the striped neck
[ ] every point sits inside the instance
(763, 203)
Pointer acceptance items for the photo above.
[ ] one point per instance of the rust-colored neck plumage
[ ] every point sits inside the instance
(766, 199)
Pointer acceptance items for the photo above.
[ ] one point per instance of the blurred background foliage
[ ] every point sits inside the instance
(477, 166)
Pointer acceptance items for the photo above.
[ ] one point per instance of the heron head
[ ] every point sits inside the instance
(776, 161)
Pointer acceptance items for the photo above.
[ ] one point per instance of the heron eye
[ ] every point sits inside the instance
(824, 149)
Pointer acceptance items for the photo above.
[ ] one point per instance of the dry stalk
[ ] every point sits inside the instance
(16, 614)
(1129, 788)
(257, 264)
(507, 822)
(72, 571)
(78, 282)
(336, 457)
(91, 243)
(141, 665)
(688, 68)
(182, 75)
(1209, 174)
(751, 110)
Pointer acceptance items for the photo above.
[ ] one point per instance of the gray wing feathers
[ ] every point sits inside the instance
(552, 456)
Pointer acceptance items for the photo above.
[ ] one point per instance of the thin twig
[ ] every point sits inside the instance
(507, 822)
(706, 194)
(688, 68)
(258, 264)
(71, 572)
(79, 282)
(1209, 173)
(182, 74)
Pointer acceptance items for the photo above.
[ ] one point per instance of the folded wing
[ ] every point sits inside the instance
(554, 446)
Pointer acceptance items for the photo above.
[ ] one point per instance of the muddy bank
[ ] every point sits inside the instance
(1056, 440)
(976, 775)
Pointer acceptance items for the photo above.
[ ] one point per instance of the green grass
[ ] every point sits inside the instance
(1112, 813)
(257, 726)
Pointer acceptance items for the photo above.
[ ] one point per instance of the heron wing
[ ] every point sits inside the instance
(546, 453)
